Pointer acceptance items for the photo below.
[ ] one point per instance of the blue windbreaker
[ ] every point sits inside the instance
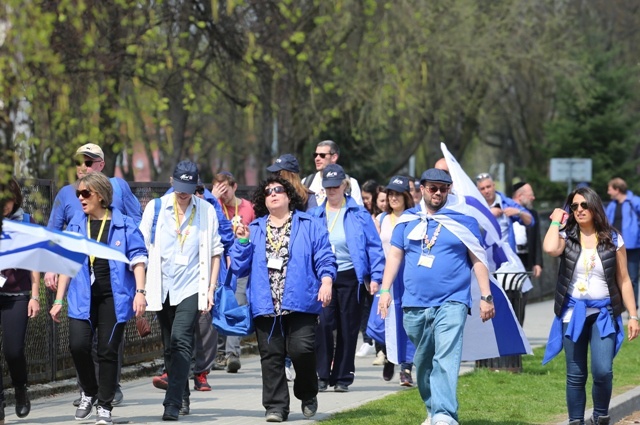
(310, 260)
(630, 211)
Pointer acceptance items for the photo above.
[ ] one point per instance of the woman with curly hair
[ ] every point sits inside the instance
(291, 270)
(592, 291)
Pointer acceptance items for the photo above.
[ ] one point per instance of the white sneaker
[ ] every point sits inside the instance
(365, 350)
(289, 373)
(380, 359)
(104, 416)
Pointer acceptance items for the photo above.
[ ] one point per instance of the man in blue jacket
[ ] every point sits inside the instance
(622, 212)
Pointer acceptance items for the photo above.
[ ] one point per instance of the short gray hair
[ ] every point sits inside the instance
(100, 184)
(332, 145)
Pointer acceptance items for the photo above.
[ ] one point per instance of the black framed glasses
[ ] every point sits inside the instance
(200, 190)
(278, 189)
(322, 155)
(86, 193)
(86, 162)
(575, 205)
(434, 188)
(483, 176)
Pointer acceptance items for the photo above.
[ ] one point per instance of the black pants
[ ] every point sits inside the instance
(293, 334)
(366, 300)
(342, 314)
(102, 320)
(13, 317)
(177, 325)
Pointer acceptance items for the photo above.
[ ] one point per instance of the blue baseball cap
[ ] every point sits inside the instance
(398, 184)
(436, 175)
(333, 175)
(285, 162)
(185, 177)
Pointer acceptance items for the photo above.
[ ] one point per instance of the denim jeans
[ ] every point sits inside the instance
(437, 334)
(633, 263)
(602, 352)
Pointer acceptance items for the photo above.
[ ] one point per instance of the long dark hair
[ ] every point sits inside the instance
(259, 197)
(371, 186)
(603, 228)
(408, 200)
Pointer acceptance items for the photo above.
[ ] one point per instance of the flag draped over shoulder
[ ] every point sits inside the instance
(502, 335)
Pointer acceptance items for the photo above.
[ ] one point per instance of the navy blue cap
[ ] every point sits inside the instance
(333, 175)
(185, 177)
(285, 162)
(436, 175)
(399, 184)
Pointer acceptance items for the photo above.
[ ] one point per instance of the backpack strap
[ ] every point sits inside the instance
(308, 180)
(156, 212)
(117, 190)
(26, 218)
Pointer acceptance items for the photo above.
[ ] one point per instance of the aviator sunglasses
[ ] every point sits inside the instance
(86, 193)
(278, 189)
(574, 206)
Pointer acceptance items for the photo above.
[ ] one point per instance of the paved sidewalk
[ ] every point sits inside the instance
(236, 398)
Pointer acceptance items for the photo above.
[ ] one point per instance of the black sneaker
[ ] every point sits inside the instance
(220, 362)
(85, 409)
(388, 370)
(171, 413)
(233, 364)
(118, 397)
(310, 407)
(23, 405)
(322, 385)
(341, 388)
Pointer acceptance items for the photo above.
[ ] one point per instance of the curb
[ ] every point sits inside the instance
(620, 407)
(144, 369)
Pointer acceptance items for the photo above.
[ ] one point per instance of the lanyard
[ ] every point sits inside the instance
(430, 242)
(226, 213)
(182, 237)
(277, 246)
(335, 219)
(92, 258)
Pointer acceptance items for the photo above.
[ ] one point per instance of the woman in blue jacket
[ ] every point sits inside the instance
(103, 296)
(291, 270)
(356, 244)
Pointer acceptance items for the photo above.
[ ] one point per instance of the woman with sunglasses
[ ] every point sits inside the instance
(287, 255)
(399, 200)
(103, 296)
(592, 291)
(360, 258)
(19, 301)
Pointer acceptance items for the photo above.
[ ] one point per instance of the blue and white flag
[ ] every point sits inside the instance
(502, 335)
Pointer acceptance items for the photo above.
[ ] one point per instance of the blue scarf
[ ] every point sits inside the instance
(576, 324)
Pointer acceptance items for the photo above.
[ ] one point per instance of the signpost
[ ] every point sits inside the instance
(570, 170)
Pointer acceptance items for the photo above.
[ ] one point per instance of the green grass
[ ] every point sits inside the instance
(536, 396)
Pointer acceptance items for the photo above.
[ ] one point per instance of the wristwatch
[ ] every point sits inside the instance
(141, 291)
(487, 298)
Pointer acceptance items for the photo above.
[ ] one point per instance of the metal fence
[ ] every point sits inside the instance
(47, 342)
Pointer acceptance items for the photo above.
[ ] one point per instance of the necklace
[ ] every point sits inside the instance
(276, 245)
(429, 243)
(589, 263)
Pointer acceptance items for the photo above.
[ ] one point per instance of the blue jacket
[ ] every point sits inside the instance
(67, 204)
(363, 240)
(124, 236)
(510, 203)
(630, 211)
(310, 260)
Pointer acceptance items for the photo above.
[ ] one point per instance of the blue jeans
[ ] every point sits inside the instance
(437, 334)
(602, 352)
(633, 264)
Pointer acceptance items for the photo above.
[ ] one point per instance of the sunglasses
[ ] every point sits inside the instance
(435, 188)
(200, 190)
(583, 205)
(86, 162)
(278, 189)
(86, 193)
(322, 155)
(483, 176)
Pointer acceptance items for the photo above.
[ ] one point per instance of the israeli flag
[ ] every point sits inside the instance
(503, 335)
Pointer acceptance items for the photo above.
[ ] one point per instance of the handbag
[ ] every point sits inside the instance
(229, 318)
(143, 326)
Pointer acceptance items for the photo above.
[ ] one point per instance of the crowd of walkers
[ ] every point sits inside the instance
(320, 260)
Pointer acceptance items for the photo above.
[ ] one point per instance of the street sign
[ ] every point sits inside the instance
(570, 169)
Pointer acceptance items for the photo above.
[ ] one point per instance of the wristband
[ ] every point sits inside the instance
(384, 291)
(243, 241)
(633, 318)
(58, 302)
(555, 223)
(35, 298)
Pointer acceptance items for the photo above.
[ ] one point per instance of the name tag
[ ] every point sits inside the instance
(182, 260)
(3, 280)
(426, 260)
(275, 263)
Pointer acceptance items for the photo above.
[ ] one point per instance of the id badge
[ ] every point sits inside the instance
(182, 260)
(92, 276)
(426, 260)
(3, 280)
(275, 263)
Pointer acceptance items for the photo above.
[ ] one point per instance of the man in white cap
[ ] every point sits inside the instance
(89, 158)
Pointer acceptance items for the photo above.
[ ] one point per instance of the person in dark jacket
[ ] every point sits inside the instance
(291, 270)
(593, 289)
(19, 301)
(360, 257)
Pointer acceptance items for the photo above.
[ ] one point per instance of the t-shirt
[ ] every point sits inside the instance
(244, 213)
(101, 287)
(449, 277)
